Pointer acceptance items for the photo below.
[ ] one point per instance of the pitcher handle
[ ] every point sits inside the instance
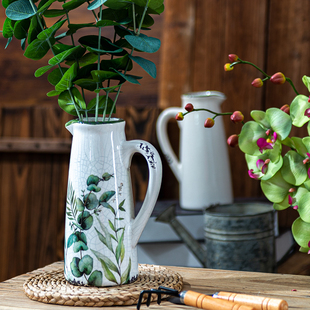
(164, 143)
(154, 183)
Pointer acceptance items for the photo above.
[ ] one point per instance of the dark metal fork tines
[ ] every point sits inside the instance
(159, 292)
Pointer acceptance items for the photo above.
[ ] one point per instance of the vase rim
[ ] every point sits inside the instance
(91, 121)
(203, 94)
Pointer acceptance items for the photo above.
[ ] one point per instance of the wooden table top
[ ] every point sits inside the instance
(295, 289)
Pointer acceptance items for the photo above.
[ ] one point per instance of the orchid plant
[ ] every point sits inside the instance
(279, 161)
(83, 64)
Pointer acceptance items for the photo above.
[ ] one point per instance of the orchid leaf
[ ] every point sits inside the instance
(294, 171)
(297, 110)
(276, 188)
(280, 122)
(301, 232)
(250, 133)
(20, 9)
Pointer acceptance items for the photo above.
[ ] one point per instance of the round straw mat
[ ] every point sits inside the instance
(51, 287)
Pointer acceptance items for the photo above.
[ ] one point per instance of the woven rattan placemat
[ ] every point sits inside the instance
(51, 287)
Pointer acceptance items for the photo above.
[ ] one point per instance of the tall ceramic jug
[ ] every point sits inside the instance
(203, 169)
(101, 231)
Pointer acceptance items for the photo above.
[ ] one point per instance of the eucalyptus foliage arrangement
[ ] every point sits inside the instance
(88, 63)
(279, 161)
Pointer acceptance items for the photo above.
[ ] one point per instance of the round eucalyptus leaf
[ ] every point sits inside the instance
(92, 179)
(79, 246)
(93, 188)
(276, 188)
(294, 171)
(85, 220)
(91, 202)
(95, 279)
(297, 110)
(72, 238)
(86, 264)
(74, 266)
(106, 196)
(81, 236)
(250, 133)
(280, 122)
(301, 232)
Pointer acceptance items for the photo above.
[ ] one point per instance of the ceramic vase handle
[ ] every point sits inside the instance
(163, 139)
(155, 177)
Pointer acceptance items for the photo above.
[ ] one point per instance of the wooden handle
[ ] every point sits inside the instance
(258, 302)
(202, 301)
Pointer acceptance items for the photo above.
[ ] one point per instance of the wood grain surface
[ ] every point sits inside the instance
(292, 288)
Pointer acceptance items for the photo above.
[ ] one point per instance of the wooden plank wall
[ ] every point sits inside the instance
(197, 36)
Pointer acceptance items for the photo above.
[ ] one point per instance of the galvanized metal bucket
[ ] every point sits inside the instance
(240, 237)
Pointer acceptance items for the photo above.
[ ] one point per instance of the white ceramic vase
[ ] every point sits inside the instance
(101, 231)
(203, 169)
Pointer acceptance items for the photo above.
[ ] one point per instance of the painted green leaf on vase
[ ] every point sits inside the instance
(125, 278)
(74, 266)
(79, 246)
(106, 196)
(95, 279)
(107, 260)
(92, 179)
(86, 264)
(85, 219)
(91, 201)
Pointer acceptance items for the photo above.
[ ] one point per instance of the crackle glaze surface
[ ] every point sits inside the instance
(101, 232)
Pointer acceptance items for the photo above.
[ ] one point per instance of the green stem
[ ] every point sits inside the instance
(98, 68)
(291, 83)
(210, 111)
(143, 15)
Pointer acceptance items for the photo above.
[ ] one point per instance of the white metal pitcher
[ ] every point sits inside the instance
(203, 170)
(101, 230)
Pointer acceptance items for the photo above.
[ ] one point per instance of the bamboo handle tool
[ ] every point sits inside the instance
(194, 299)
(257, 302)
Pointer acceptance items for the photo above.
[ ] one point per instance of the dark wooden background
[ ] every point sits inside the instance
(196, 36)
